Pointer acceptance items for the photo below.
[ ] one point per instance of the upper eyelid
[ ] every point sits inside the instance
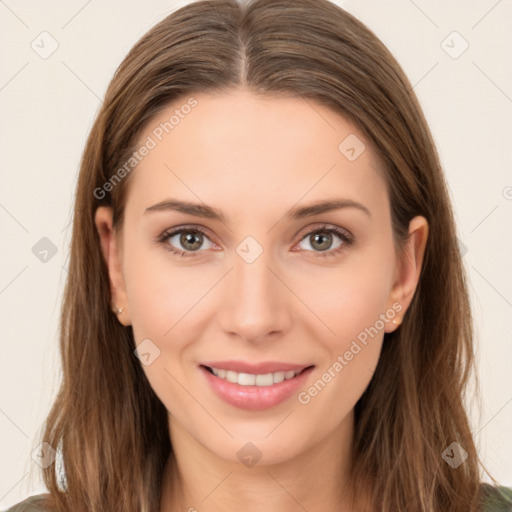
(324, 226)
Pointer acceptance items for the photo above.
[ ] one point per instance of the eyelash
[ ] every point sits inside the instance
(341, 233)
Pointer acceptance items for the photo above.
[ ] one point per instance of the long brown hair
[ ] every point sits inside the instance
(108, 425)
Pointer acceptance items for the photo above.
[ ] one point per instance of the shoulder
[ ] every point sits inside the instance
(496, 499)
(31, 504)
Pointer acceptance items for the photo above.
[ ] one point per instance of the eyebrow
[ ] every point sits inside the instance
(203, 210)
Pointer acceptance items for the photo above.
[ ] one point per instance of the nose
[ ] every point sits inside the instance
(255, 303)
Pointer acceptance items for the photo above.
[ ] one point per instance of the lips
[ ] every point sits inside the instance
(254, 386)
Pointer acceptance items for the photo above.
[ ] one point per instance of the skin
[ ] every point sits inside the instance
(255, 157)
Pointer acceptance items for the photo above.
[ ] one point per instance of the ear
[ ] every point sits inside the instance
(111, 249)
(408, 269)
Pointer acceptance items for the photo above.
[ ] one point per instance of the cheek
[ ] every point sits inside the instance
(166, 306)
(351, 352)
(160, 293)
(354, 305)
(160, 298)
(353, 296)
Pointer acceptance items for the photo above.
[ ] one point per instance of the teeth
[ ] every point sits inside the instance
(249, 379)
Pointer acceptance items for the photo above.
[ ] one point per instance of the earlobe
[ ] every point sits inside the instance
(409, 268)
(110, 249)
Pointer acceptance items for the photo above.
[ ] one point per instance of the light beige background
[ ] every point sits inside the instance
(47, 108)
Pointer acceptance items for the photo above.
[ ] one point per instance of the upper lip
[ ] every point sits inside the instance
(256, 368)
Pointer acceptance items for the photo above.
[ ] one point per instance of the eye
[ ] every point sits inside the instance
(321, 240)
(190, 239)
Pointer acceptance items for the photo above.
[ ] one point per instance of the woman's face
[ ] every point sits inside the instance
(266, 288)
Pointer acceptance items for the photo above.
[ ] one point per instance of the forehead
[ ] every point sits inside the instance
(255, 151)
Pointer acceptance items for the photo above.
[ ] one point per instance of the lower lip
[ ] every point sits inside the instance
(255, 398)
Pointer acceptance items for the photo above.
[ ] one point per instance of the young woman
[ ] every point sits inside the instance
(266, 307)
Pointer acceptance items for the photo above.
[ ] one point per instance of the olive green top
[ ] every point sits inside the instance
(31, 504)
(497, 499)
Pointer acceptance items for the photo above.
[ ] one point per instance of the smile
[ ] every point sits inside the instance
(258, 386)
